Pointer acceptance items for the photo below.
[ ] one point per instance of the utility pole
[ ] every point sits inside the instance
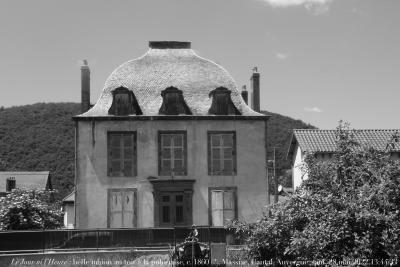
(276, 198)
(274, 178)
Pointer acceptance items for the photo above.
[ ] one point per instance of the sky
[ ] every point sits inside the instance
(320, 61)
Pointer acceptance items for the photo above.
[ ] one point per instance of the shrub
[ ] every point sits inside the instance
(348, 208)
(24, 209)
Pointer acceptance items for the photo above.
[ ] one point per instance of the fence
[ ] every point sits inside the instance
(70, 239)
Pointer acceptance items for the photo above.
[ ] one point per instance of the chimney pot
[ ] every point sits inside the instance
(85, 87)
(255, 86)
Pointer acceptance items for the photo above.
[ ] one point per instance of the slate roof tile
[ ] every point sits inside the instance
(158, 69)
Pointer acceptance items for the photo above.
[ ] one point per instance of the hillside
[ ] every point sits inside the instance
(40, 137)
(279, 133)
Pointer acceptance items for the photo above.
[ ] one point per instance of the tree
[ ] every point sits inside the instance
(348, 208)
(24, 209)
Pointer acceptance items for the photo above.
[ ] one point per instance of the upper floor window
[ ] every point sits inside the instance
(122, 154)
(173, 102)
(124, 103)
(172, 153)
(222, 103)
(222, 153)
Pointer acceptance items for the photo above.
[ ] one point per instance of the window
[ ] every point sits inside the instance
(172, 209)
(172, 153)
(10, 184)
(173, 102)
(122, 154)
(124, 103)
(221, 153)
(222, 103)
(222, 205)
(122, 208)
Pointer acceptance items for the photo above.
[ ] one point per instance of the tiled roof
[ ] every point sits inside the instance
(158, 69)
(28, 180)
(325, 140)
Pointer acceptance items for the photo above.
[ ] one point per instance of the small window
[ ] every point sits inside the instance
(124, 103)
(122, 154)
(173, 102)
(222, 103)
(221, 153)
(222, 205)
(172, 153)
(10, 184)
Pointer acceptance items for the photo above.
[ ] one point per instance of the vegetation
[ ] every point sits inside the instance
(348, 209)
(280, 129)
(29, 209)
(40, 137)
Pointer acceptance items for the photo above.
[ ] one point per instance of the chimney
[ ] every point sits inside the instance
(85, 87)
(245, 94)
(255, 87)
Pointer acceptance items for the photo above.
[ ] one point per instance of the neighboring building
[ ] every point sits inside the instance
(169, 142)
(68, 204)
(27, 180)
(322, 143)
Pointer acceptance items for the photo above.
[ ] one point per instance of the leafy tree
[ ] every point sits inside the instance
(348, 208)
(24, 209)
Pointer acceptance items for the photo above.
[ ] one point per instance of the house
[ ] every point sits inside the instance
(68, 205)
(323, 144)
(169, 142)
(27, 180)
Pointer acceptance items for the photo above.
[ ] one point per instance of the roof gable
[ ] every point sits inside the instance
(28, 180)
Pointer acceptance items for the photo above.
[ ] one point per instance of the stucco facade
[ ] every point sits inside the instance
(93, 182)
(170, 90)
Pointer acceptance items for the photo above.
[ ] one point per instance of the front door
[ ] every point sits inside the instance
(172, 209)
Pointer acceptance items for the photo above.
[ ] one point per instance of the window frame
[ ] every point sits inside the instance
(135, 205)
(134, 158)
(209, 153)
(161, 172)
(222, 188)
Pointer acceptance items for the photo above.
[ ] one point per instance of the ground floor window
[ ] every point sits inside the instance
(122, 208)
(222, 205)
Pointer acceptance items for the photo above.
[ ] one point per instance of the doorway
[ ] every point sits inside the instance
(173, 202)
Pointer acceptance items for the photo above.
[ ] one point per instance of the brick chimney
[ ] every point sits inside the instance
(245, 94)
(85, 87)
(255, 87)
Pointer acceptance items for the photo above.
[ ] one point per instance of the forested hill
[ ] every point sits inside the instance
(279, 133)
(40, 137)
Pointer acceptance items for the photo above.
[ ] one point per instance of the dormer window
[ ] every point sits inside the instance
(173, 102)
(124, 103)
(222, 103)
(10, 184)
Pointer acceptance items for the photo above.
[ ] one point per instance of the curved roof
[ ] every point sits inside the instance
(167, 65)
